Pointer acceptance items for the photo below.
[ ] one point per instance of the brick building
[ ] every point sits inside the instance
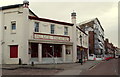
(110, 49)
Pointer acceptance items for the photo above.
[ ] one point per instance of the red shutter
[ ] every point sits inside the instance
(14, 51)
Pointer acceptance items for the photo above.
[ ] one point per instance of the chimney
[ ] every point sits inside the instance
(25, 4)
(73, 17)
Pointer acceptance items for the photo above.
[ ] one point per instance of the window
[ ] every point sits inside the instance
(52, 28)
(65, 30)
(36, 29)
(13, 26)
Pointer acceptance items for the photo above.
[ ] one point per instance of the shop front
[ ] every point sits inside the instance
(50, 50)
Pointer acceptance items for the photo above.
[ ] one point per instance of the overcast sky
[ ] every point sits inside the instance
(106, 12)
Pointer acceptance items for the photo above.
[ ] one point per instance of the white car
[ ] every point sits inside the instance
(92, 57)
(117, 56)
(99, 57)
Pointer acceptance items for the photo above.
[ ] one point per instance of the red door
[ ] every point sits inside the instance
(14, 51)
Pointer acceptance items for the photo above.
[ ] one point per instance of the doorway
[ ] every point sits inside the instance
(34, 51)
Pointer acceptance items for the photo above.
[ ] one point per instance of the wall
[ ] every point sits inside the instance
(91, 42)
(99, 37)
(1, 35)
(44, 27)
(19, 38)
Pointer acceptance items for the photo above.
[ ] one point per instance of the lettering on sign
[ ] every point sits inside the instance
(51, 37)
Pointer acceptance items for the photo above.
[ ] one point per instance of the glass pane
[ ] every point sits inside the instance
(36, 27)
(52, 29)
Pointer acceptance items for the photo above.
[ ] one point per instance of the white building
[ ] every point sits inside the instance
(28, 38)
(96, 36)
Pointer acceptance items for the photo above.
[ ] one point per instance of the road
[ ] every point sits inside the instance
(104, 68)
(89, 68)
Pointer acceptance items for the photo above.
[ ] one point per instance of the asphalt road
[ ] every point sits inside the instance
(104, 68)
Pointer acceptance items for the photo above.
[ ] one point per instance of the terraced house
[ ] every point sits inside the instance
(27, 38)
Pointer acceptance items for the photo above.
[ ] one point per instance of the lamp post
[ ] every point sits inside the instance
(81, 48)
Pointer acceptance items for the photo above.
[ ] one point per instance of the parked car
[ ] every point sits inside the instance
(117, 56)
(108, 57)
(99, 57)
(92, 57)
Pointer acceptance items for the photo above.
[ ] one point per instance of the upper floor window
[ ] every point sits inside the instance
(65, 30)
(52, 27)
(36, 28)
(13, 26)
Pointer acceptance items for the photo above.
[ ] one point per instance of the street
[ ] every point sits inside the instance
(104, 68)
(89, 68)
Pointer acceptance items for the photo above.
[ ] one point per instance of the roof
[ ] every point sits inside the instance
(15, 6)
(35, 17)
(84, 22)
(49, 20)
(81, 30)
(11, 6)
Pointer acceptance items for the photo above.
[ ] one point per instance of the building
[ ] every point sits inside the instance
(110, 49)
(28, 38)
(117, 51)
(96, 36)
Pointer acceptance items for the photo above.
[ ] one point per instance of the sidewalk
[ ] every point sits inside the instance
(65, 66)
(62, 69)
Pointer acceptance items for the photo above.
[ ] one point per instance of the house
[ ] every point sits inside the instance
(110, 49)
(28, 38)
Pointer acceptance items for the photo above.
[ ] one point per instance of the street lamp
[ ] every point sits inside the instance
(81, 48)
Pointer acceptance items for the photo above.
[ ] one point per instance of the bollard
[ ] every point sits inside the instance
(32, 63)
(20, 61)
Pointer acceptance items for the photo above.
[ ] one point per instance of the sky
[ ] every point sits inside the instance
(106, 12)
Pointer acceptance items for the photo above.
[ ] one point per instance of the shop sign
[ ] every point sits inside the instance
(51, 37)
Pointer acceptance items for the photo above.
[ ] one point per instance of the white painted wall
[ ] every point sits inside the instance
(44, 27)
(21, 36)
(100, 33)
(84, 39)
(1, 35)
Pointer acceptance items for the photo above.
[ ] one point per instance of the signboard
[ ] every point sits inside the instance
(51, 37)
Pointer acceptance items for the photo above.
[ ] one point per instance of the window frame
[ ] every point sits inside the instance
(65, 30)
(13, 27)
(52, 29)
(36, 27)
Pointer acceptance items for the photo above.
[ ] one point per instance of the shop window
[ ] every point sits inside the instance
(65, 30)
(52, 27)
(36, 29)
(13, 27)
(49, 50)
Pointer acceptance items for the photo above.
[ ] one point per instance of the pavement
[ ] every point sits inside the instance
(62, 69)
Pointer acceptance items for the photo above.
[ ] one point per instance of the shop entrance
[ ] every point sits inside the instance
(34, 51)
